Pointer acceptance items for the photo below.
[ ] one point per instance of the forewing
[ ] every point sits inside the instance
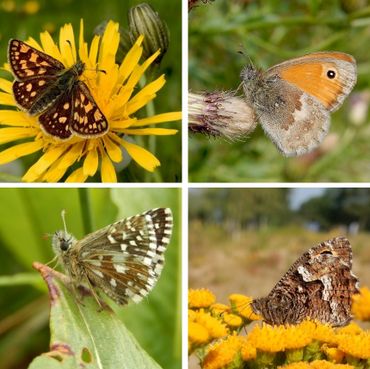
(327, 76)
(126, 258)
(56, 120)
(28, 91)
(27, 62)
(88, 120)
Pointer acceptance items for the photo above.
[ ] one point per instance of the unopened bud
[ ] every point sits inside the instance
(144, 20)
(221, 114)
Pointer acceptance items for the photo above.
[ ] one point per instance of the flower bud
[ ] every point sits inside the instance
(144, 20)
(220, 114)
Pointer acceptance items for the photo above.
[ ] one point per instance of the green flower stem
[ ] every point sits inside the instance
(21, 279)
(85, 210)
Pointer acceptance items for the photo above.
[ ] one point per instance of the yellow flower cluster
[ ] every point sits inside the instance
(361, 304)
(310, 344)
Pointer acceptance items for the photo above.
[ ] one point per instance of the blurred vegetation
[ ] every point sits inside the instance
(24, 307)
(269, 32)
(238, 209)
(28, 18)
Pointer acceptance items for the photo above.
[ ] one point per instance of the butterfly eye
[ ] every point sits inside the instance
(64, 245)
(331, 74)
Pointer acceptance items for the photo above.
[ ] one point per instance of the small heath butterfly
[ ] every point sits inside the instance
(293, 100)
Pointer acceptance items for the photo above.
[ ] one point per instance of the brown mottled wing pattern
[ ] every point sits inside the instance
(319, 285)
(126, 258)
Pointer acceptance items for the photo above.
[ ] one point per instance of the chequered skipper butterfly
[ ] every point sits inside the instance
(45, 87)
(124, 259)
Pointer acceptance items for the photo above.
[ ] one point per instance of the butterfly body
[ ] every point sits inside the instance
(319, 285)
(124, 259)
(293, 100)
(43, 86)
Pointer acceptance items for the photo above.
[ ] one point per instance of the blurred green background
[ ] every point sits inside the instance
(24, 306)
(28, 18)
(269, 32)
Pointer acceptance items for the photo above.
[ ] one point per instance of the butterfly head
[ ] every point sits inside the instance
(62, 241)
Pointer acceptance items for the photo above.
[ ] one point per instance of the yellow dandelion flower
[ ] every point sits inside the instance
(241, 305)
(232, 320)
(113, 90)
(267, 338)
(361, 304)
(191, 315)
(215, 327)
(357, 346)
(198, 334)
(201, 298)
(224, 353)
(333, 353)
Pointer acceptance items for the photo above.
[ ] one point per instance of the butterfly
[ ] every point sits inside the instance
(319, 285)
(43, 86)
(293, 100)
(124, 259)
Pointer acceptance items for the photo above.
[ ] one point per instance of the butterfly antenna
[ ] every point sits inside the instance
(63, 215)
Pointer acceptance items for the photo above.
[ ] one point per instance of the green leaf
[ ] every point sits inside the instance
(83, 335)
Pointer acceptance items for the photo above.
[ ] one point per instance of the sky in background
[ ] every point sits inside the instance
(299, 195)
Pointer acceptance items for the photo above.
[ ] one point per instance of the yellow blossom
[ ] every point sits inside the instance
(218, 309)
(317, 364)
(333, 353)
(351, 329)
(198, 334)
(361, 304)
(224, 353)
(355, 345)
(248, 351)
(232, 320)
(215, 327)
(242, 305)
(201, 298)
(115, 92)
(267, 338)
(298, 336)
(323, 333)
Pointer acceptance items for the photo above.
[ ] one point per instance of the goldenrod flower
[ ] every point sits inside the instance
(298, 336)
(324, 333)
(201, 298)
(361, 304)
(224, 354)
(248, 351)
(115, 92)
(242, 305)
(351, 329)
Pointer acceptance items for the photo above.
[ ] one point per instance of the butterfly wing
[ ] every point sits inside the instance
(319, 285)
(125, 259)
(88, 120)
(27, 62)
(56, 120)
(327, 76)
